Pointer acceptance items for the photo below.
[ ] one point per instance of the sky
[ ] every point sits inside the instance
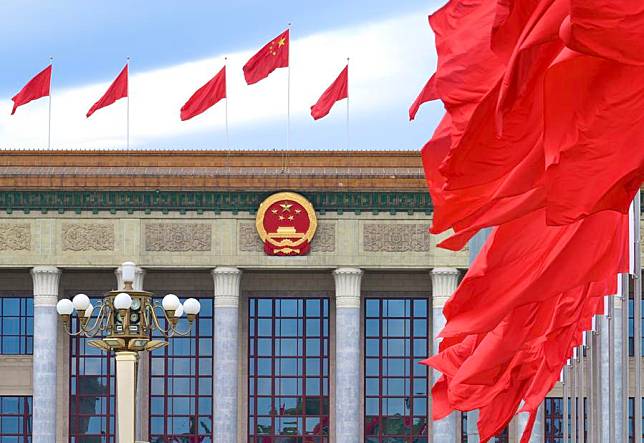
(176, 46)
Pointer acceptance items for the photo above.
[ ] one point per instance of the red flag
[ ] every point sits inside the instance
(36, 88)
(525, 260)
(272, 56)
(116, 91)
(609, 30)
(206, 96)
(338, 90)
(427, 94)
(593, 131)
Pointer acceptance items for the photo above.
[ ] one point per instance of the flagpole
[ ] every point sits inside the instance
(127, 123)
(288, 92)
(348, 136)
(226, 110)
(51, 62)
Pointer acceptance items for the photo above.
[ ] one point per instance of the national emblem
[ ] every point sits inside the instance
(286, 223)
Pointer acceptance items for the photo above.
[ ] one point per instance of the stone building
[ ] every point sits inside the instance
(322, 347)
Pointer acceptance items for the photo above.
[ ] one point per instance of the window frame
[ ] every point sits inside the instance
(324, 357)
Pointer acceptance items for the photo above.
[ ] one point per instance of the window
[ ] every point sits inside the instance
(15, 419)
(502, 437)
(181, 382)
(554, 420)
(631, 319)
(16, 325)
(91, 391)
(288, 370)
(631, 422)
(396, 338)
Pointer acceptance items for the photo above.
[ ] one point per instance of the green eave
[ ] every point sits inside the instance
(206, 201)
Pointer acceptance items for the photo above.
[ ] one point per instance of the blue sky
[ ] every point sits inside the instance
(90, 40)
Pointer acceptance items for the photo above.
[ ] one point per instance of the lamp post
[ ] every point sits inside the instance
(124, 323)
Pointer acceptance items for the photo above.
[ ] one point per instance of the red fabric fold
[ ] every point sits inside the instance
(206, 96)
(117, 90)
(338, 90)
(35, 88)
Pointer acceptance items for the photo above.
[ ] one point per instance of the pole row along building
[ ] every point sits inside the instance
(320, 288)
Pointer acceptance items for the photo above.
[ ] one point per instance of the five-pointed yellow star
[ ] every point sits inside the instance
(281, 217)
(286, 207)
(290, 217)
(281, 42)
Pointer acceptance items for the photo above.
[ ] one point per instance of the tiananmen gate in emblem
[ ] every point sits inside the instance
(286, 223)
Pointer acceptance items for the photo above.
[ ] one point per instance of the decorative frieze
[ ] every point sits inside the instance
(398, 237)
(324, 240)
(15, 237)
(249, 240)
(88, 237)
(178, 237)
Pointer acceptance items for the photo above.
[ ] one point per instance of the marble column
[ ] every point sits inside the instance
(444, 282)
(142, 403)
(347, 354)
(226, 353)
(45, 281)
(475, 245)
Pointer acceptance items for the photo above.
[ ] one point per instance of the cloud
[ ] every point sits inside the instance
(390, 61)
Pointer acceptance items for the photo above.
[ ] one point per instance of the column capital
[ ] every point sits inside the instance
(347, 287)
(227, 286)
(45, 284)
(444, 283)
(137, 284)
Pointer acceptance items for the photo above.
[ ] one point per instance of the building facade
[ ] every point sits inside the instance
(321, 347)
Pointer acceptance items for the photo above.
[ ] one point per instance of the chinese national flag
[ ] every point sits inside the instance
(206, 96)
(36, 88)
(338, 90)
(116, 91)
(272, 56)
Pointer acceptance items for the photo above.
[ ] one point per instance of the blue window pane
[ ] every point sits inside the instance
(264, 327)
(264, 308)
(372, 308)
(420, 308)
(313, 327)
(11, 307)
(312, 308)
(372, 328)
(16, 325)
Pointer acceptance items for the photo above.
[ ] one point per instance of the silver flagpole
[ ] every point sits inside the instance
(288, 92)
(573, 401)
(612, 379)
(348, 137)
(625, 355)
(127, 118)
(226, 110)
(51, 62)
(582, 395)
(637, 318)
(590, 350)
(566, 395)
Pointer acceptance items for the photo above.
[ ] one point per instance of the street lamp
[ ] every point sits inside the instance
(124, 323)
